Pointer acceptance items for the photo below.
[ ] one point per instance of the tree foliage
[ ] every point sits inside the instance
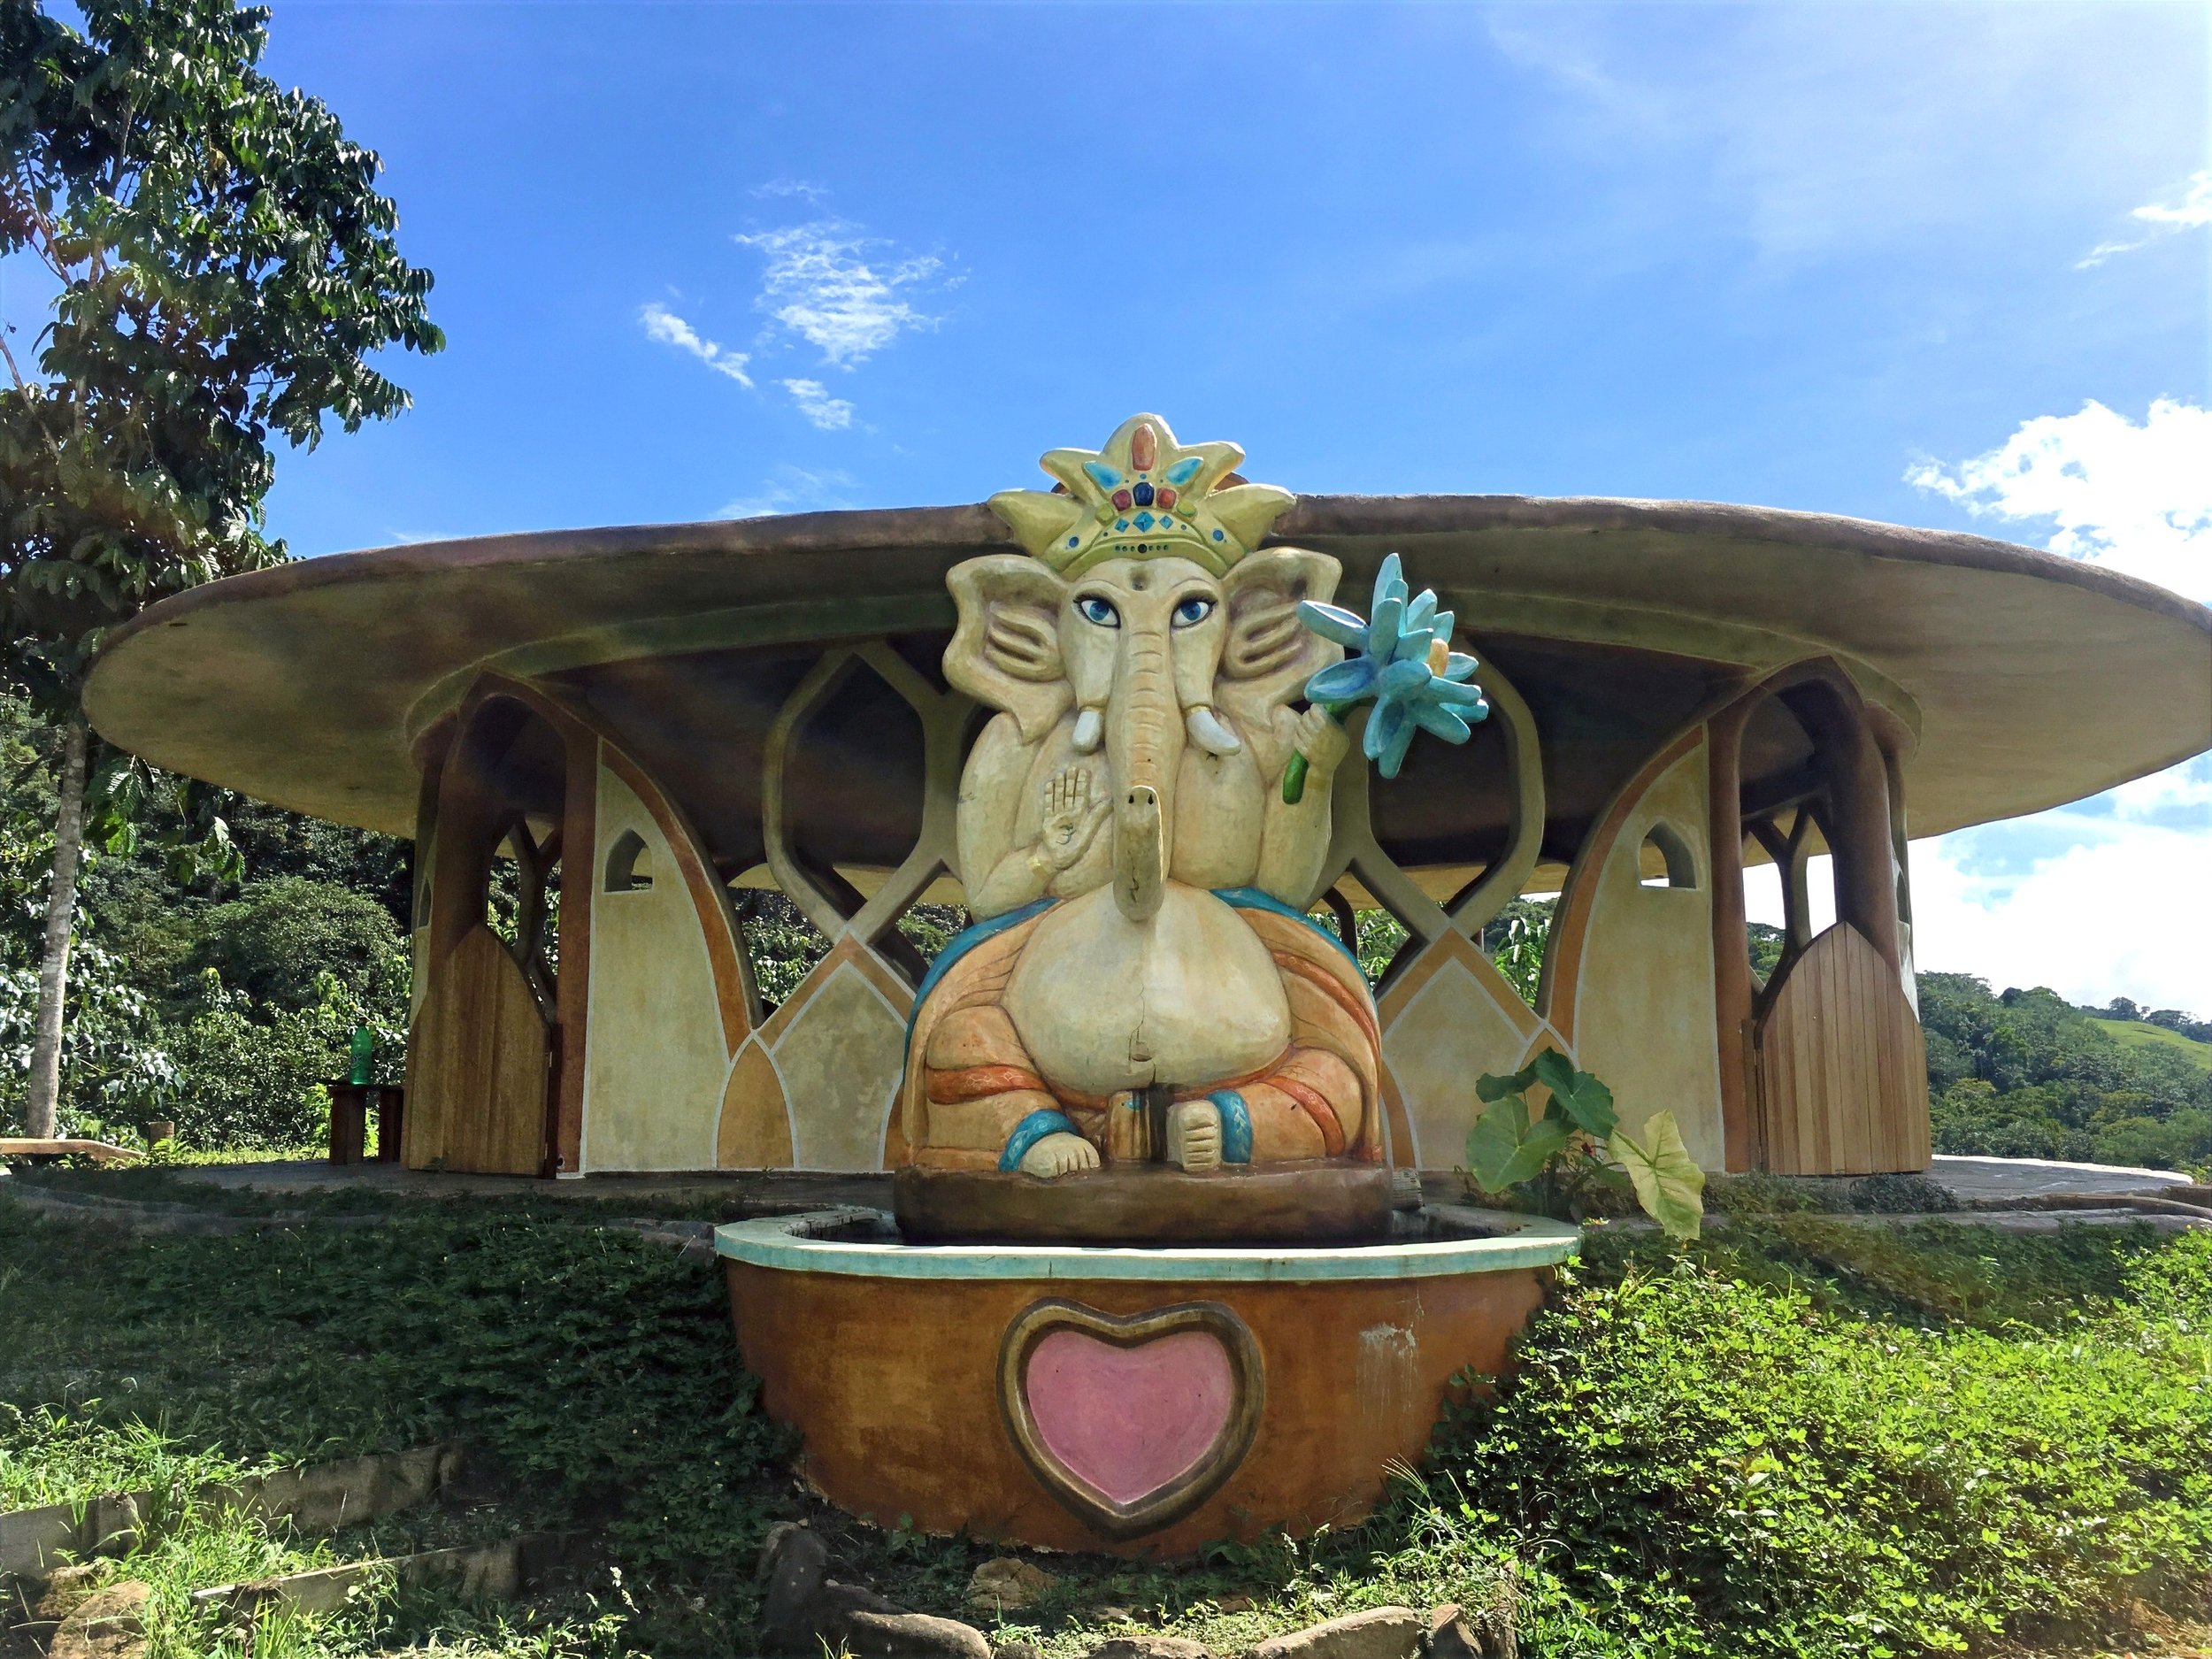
(2022, 1074)
(221, 1004)
(225, 270)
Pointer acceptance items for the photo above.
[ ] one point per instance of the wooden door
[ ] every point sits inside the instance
(480, 1066)
(1842, 1075)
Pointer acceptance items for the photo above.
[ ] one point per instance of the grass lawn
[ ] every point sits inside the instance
(2136, 1034)
(1804, 1435)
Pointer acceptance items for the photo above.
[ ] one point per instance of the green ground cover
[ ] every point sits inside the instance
(1805, 1434)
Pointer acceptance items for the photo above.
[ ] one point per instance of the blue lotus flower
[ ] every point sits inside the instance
(1402, 658)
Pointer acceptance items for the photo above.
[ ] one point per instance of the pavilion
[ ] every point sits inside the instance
(653, 720)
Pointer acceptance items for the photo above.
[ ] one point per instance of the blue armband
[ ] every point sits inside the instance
(1035, 1128)
(1236, 1125)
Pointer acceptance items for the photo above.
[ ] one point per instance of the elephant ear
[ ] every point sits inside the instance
(1006, 651)
(1269, 654)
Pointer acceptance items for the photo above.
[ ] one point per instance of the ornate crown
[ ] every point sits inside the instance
(1144, 496)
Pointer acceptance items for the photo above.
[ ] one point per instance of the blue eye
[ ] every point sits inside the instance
(1193, 610)
(1098, 611)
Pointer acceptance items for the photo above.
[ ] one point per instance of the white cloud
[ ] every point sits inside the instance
(831, 414)
(2123, 911)
(792, 489)
(2124, 914)
(2136, 497)
(2185, 787)
(664, 326)
(2193, 211)
(819, 287)
(2110, 896)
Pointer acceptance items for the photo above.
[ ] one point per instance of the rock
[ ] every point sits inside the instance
(68, 1589)
(839, 1602)
(1238, 1603)
(795, 1564)
(1151, 1648)
(108, 1624)
(807, 1610)
(1485, 1633)
(1017, 1650)
(1007, 1586)
(1110, 1616)
(1382, 1632)
(913, 1636)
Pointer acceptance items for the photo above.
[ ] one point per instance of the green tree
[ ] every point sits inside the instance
(223, 269)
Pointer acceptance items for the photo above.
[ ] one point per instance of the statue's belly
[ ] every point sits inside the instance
(1104, 1004)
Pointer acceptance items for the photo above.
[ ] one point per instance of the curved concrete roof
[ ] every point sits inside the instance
(2031, 680)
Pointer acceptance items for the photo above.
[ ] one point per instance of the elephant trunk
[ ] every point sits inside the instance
(1145, 748)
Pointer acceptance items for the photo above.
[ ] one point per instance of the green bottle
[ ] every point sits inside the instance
(364, 1049)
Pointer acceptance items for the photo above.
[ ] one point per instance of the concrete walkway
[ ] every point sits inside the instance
(1973, 1178)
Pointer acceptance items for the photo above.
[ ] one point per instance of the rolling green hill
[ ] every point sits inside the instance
(2135, 1033)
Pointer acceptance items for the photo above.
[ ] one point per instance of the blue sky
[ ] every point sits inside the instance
(1878, 259)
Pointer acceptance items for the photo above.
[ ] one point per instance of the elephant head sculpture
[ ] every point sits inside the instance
(1174, 680)
(1143, 984)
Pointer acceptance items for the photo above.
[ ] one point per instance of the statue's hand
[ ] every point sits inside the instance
(1061, 1154)
(1317, 735)
(1193, 1135)
(1071, 817)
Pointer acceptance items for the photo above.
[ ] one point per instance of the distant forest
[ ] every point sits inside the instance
(223, 1006)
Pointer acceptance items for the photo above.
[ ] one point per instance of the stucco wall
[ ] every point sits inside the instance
(656, 1055)
(1448, 1019)
(1644, 1003)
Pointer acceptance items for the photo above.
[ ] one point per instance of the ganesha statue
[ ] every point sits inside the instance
(1142, 985)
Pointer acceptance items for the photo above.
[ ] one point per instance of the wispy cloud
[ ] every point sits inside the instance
(2193, 211)
(2002, 901)
(831, 414)
(792, 489)
(822, 286)
(792, 187)
(664, 326)
(1822, 132)
(2136, 497)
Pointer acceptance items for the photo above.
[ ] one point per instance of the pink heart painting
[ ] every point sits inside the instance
(1130, 1422)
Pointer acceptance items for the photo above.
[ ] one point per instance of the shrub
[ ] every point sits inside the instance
(239, 1081)
(1707, 1466)
(277, 939)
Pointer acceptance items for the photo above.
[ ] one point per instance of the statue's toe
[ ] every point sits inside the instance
(1060, 1154)
(1193, 1135)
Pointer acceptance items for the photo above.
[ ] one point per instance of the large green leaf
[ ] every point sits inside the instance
(1578, 1094)
(1496, 1086)
(1504, 1148)
(1669, 1184)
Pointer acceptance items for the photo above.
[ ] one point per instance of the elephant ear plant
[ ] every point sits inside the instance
(1576, 1141)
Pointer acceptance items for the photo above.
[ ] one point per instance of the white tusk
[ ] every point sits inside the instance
(1207, 731)
(1088, 728)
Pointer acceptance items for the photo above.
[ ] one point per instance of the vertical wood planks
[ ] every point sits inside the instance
(477, 1085)
(1843, 1078)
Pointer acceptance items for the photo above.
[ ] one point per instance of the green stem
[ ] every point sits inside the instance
(1295, 774)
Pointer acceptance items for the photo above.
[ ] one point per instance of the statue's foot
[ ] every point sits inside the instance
(1060, 1154)
(1193, 1135)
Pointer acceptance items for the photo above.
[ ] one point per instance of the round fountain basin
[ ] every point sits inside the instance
(1136, 1400)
